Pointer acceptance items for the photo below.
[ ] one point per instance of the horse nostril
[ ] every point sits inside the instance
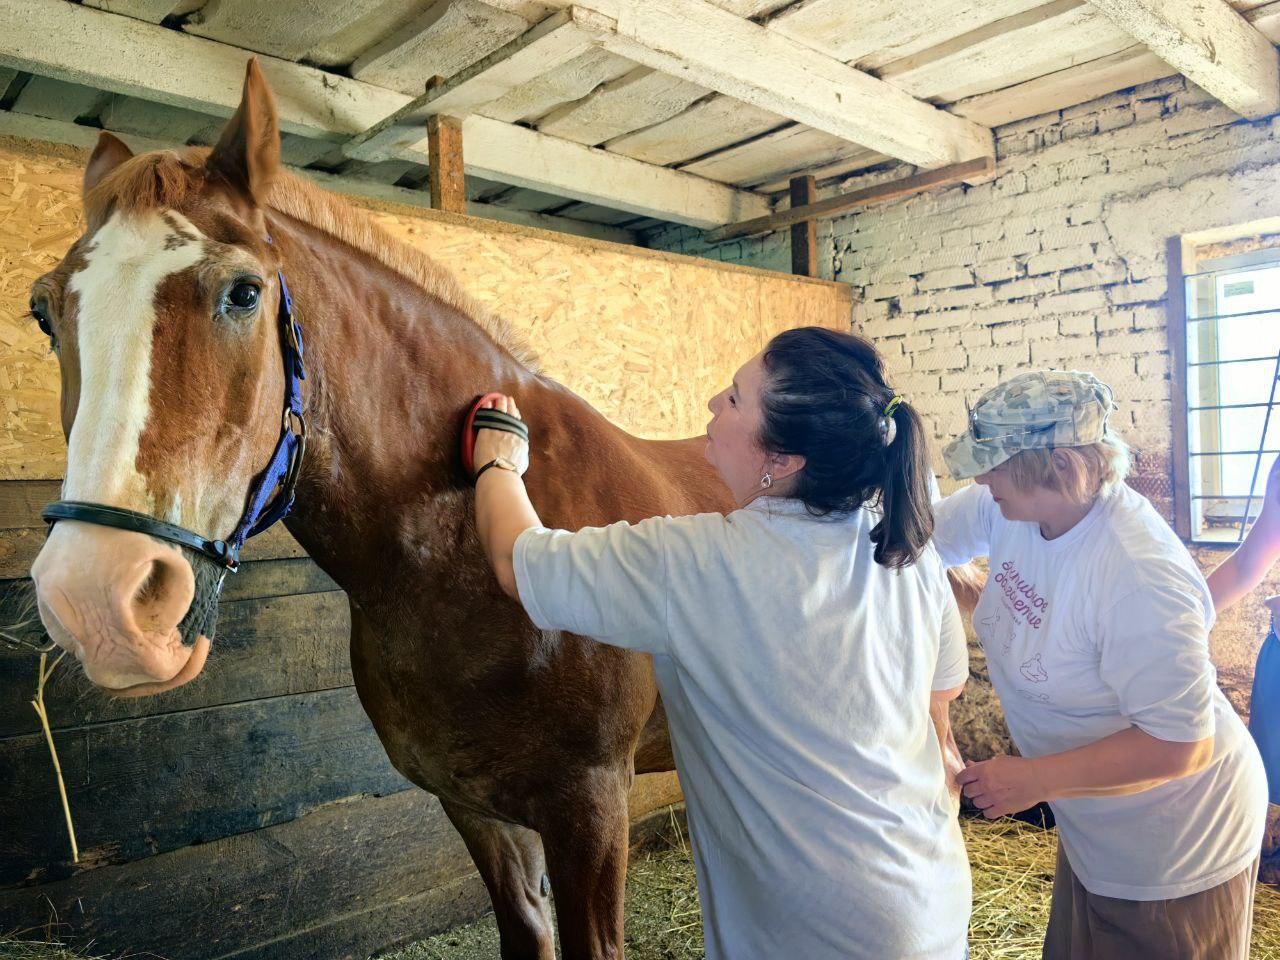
(149, 589)
(157, 596)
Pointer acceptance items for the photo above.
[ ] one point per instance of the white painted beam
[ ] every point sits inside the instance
(28, 127)
(75, 43)
(704, 44)
(1210, 44)
(373, 190)
(555, 41)
(526, 158)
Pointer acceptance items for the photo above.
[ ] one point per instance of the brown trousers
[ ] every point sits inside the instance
(1214, 924)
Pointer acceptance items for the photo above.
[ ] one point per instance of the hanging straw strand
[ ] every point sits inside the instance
(38, 705)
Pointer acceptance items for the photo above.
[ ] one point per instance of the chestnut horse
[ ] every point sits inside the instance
(163, 318)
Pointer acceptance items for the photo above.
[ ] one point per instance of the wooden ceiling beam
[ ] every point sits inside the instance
(78, 44)
(1210, 44)
(26, 127)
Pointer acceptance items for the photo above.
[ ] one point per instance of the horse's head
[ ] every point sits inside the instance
(163, 319)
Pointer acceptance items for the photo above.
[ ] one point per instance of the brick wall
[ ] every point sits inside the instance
(1059, 261)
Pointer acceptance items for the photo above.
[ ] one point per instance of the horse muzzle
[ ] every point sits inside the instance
(122, 602)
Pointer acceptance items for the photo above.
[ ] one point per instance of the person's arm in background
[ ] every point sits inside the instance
(1153, 645)
(1131, 761)
(940, 714)
(949, 678)
(1245, 568)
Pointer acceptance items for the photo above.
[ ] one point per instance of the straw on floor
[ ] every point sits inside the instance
(1012, 880)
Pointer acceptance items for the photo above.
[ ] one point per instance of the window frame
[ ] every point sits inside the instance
(1183, 263)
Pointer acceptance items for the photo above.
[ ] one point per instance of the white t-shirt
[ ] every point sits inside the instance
(796, 674)
(1087, 634)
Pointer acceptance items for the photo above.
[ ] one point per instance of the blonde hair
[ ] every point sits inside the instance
(1090, 470)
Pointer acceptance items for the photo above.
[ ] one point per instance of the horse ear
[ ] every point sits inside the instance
(110, 152)
(247, 155)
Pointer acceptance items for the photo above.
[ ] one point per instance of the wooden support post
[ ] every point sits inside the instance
(444, 160)
(1176, 307)
(804, 235)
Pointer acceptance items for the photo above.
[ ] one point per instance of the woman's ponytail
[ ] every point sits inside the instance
(907, 523)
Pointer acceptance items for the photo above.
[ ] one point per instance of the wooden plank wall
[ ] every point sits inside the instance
(252, 813)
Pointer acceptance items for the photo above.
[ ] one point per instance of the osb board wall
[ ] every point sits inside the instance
(645, 336)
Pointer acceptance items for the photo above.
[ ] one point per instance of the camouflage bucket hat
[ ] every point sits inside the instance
(1039, 410)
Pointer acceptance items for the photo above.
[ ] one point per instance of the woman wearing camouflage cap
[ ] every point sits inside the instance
(1095, 623)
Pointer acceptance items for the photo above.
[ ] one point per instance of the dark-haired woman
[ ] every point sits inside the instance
(797, 643)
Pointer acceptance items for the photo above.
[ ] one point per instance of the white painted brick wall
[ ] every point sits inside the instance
(1060, 260)
(1065, 250)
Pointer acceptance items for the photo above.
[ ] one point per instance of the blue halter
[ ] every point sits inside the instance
(272, 494)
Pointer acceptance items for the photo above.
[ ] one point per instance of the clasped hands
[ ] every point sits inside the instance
(1002, 785)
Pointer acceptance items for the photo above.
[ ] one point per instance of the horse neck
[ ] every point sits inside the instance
(389, 370)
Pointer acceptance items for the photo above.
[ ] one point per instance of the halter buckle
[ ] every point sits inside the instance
(295, 423)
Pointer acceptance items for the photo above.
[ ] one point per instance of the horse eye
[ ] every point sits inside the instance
(243, 296)
(40, 311)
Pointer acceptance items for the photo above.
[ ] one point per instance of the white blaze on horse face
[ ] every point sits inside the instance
(129, 257)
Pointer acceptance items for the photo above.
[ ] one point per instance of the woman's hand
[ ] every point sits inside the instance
(1002, 785)
(503, 509)
(491, 444)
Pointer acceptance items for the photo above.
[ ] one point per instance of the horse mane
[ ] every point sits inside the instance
(165, 178)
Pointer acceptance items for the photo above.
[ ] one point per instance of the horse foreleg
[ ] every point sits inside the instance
(586, 846)
(511, 864)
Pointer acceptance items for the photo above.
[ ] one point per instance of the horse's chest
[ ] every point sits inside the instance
(428, 688)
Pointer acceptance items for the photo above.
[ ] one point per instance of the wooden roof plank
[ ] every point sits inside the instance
(1049, 38)
(712, 124)
(1065, 88)
(871, 33)
(445, 39)
(778, 154)
(287, 29)
(1210, 44)
(845, 165)
(152, 11)
(564, 83)
(58, 100)
(1086, 81)
(639, 99)
(698, 41)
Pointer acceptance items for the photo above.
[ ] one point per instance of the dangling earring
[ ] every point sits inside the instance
(766, 481)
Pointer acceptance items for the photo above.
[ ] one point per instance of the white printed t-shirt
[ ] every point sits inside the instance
(1094, 631)
(796, 674)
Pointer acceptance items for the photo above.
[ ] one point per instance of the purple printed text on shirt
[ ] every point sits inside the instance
(1021, 594)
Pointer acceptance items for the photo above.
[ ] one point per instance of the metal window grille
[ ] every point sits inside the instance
(1232, 377)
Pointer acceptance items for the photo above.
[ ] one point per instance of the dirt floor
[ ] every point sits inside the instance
(1012, 878)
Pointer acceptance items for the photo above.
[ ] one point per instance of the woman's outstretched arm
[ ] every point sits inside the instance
(503, 508)
(1245, 568)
